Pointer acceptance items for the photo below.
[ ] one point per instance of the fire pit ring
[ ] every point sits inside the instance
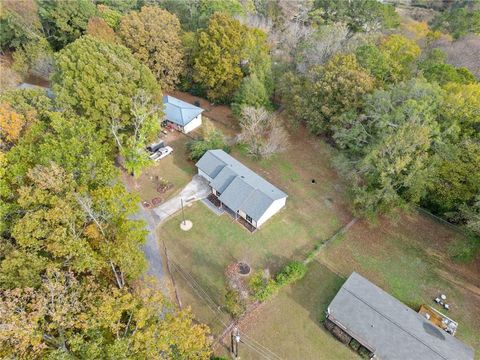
(243, 268)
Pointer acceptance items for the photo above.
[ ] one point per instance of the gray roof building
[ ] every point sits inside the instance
(179, 111)
(240, 188)
(388, 328)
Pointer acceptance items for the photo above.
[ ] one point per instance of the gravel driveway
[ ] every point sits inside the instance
(196, 189)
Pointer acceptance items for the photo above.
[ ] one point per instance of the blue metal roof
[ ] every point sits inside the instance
(178, 111)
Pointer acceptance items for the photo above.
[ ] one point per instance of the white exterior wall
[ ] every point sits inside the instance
(196, 122)
(272, 210)
(202, 174)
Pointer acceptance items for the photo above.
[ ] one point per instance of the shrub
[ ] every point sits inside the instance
(234, 304)
(292, 272)
(262, 287)
(252, 92)
(212, 139)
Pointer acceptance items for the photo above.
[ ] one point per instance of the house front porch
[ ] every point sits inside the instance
(214, 201)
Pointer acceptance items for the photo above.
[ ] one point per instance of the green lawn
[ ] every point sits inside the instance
(314, 212)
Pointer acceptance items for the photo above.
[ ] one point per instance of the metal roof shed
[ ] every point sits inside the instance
(186, 117)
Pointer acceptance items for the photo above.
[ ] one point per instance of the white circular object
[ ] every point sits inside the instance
(443, 297)
(186, 225)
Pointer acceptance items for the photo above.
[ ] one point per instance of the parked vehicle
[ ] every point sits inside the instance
(153, 148)
(161, 153)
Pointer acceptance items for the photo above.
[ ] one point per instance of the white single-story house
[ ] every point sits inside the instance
(181, 115)
(239, 189)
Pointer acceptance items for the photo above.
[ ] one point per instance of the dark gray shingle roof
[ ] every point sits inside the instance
(241, 188)
(390, 328)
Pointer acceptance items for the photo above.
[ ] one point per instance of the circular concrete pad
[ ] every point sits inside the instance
(186, 225)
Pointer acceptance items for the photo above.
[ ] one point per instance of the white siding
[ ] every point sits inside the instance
(272, 210)
(193, 124)
(201, 173)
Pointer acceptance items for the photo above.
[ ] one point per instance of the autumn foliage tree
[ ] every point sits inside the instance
(328, 92)
(228, 51)
(99, 29)
(11, 125)
(153, 36)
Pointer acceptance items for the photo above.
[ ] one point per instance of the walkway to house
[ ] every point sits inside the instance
(196, 189)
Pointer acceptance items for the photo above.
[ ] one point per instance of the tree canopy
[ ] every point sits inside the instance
(332, 90)
(227, 51)
(65, 21)
(360, 15)
(153, 36)
(458, 19)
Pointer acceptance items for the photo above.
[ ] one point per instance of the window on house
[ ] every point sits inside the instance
(249, 219)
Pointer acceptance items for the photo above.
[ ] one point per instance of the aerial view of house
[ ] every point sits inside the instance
(181, 115)
(385, 328)
(207, 179)
(239, 189)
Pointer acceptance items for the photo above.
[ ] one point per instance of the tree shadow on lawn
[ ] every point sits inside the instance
(316, 291)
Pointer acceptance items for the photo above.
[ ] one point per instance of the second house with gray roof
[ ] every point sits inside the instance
(239, 189)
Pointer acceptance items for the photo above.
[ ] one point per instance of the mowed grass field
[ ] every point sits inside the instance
(407, 256)
(217, 241)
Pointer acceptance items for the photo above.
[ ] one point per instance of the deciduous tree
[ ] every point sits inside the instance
(332, 90)
(99, 80)
(65, 21)
(252, 92)
(11, 125)
(402, 54)
(261, 132)
(360, 15)
(457, 178)
(392, 145)
(19, 22)
(153, 35)
(227, 51)
(458, 20)
(461, 109)
(99, 29)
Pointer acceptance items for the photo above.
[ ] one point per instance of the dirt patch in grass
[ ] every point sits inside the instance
(175, 170)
